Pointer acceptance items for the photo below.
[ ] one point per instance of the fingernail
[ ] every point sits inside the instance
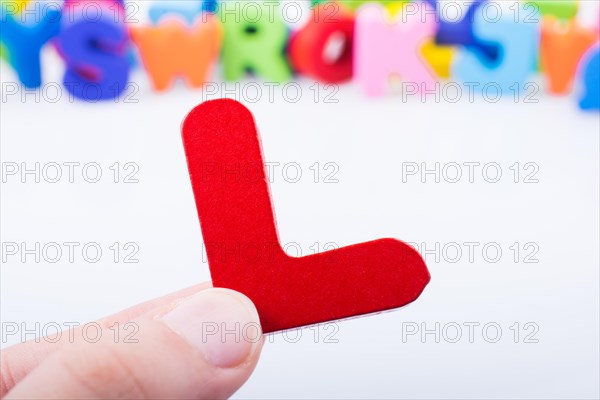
(221, 323)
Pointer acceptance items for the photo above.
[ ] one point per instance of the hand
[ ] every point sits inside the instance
(197, 343)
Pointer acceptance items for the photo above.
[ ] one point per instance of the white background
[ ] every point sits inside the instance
(369, 139)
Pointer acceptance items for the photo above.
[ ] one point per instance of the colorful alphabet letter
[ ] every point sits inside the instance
(173, 49)
(95, 53)
(24, 36)
(562, 46)
(236, 212)
(518, 43)
(308, 47)
(590, 78)
(460, 33)
(255, 37)
(383, 48)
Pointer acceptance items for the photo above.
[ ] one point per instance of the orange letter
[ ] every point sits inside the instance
(563, 45)
(172, 49)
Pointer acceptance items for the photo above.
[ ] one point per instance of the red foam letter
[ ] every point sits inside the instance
(236, 214)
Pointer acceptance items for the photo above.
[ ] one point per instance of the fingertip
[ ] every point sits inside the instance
(220, 323)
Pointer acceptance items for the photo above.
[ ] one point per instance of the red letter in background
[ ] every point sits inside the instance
(309, 46)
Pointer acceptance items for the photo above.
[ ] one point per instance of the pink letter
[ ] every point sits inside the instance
(385, 46)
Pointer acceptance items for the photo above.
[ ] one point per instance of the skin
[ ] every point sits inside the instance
(164, 363)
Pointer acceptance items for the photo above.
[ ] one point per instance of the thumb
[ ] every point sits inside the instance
(203, 347)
